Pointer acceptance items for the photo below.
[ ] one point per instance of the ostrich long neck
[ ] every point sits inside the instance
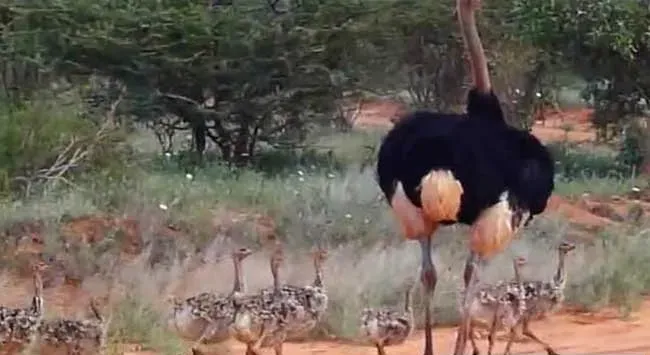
(560, 276)
(276, 277)
(474, 46)
(517, 272)
(407, 301)
(37, 300)
(521, 297)
(238, 284)
(318, 279)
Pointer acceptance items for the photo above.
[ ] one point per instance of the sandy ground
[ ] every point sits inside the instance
(602, 333)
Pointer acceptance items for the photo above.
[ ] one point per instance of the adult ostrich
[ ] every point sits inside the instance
(440, 169)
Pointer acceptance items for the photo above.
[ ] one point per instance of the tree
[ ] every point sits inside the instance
(21, 72)
(417, 45)
(243, 73)
(606, 42)
(414, 45)
(237, 75)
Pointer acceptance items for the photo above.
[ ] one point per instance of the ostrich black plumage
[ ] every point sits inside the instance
(441, 169)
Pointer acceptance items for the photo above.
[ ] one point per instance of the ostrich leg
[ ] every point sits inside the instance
(470, 280)
(468, 273)
(429, 279)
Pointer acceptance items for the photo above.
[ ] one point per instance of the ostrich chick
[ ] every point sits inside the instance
(502, 305)
(386, 327)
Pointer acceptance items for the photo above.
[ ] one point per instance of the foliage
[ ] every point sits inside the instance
(605, 41)
(244, 77)
(238, 75)
(575, 162)
(21, 70)
(46, 142)
(135, 320)
(418, 41)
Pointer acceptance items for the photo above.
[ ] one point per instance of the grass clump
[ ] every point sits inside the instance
(611, 276)
(136, 321)
(46, 141)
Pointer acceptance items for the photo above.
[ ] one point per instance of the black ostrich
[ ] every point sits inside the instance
(441, 169)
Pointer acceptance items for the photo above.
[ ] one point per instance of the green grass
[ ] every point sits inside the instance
(135, 321)
(595, 186)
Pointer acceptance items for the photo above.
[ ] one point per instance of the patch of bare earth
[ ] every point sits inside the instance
(569, 333)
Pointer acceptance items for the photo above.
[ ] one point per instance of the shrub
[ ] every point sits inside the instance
(576, 162)
(45, 142)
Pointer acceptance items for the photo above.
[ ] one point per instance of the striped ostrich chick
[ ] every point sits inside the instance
(206, 317)
(63, 336)
(313, 297)
(262, 320)
(439, 169)
(386, 327)
(502, 305)
(542, 298)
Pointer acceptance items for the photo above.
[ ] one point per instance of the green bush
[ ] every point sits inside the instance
(632, 150)
(576, 162)
(136, 321)
(46, 141)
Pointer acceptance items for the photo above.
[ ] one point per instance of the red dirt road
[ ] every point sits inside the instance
(602, 333)
(569, 334)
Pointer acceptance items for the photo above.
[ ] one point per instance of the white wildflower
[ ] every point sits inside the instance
(189, 176)
(348, 216)
(162, 206)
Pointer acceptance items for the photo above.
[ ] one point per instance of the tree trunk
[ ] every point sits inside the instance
(241, 154)
(645, 128)
(199, 130)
